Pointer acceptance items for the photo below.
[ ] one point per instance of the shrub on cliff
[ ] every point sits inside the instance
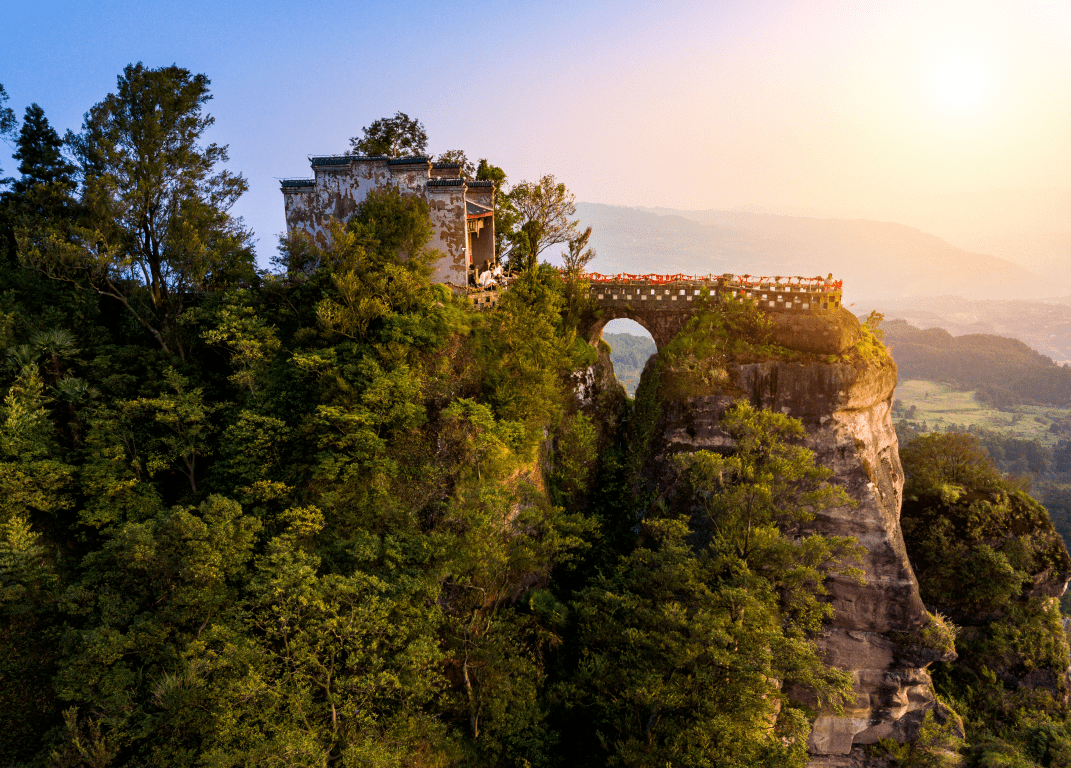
(687, 644)
(986, 554)
(723, 332)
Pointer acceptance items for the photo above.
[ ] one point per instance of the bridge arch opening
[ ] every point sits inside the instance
(631, 346)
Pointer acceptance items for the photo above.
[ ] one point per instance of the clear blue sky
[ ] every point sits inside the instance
(692, 105)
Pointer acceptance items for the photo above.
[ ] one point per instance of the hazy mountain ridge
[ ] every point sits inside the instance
(877, 260)
(1044, 326)
(1002, 369)
(1030, 227)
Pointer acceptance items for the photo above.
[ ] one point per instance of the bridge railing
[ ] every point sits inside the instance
(726, 280)
(807, 294)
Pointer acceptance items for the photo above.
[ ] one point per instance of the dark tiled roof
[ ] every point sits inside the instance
(446, 182)
(298, 183)
(481, 183)
(475, 209)
(331, 160)
(446, 165)
(414, 160)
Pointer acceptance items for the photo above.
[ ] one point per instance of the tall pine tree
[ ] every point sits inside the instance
(41, 203)
(40, 155)
(7, 116)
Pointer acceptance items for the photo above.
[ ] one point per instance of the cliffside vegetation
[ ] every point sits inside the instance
(334, 516)
(988, 558)
(331, 515)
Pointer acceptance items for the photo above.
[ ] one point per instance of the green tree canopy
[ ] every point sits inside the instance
(40, 154)
(392, 136)
(458, 156)
(987, 556)
(687, 645)
(540, 214)
(157, 204)
(43, 200)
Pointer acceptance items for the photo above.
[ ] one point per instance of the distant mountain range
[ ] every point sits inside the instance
(1028, 226)
(877, 260)
(1044, 326)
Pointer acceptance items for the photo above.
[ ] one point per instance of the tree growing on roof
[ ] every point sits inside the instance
(458, 157)
(396, 136)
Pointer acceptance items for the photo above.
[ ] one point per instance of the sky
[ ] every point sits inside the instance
(884, 109)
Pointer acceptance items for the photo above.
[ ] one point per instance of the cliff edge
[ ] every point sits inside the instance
(882, 633)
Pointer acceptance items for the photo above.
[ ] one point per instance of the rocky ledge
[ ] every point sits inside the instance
(882, 629)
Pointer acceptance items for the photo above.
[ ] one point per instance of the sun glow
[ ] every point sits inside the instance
(960, 84)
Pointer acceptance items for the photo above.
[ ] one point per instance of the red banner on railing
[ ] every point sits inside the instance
(748, 282)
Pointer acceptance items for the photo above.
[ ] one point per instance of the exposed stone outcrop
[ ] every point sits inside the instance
(845, 408)
(600, 395)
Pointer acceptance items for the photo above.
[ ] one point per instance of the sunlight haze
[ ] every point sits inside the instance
(901, 111)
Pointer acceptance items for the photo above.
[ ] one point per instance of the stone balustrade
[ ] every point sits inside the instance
(778, 294)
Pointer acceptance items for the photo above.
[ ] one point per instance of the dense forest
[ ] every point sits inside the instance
(989, 563)
(1002, 371)
(330, 515)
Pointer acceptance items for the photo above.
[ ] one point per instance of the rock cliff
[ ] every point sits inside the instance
(844, 401)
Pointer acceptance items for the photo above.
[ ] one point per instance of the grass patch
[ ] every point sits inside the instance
(940, 406)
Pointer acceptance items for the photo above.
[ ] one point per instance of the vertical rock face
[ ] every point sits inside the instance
(845, 408)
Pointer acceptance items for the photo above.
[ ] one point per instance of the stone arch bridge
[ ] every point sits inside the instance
(806, 312)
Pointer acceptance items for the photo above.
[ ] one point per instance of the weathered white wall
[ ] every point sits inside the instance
(447, 206)
(340, 189)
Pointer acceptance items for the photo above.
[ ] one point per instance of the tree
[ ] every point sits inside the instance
(379, 264)
(579, 254)
(688, 645)
(352, 664)
(987, 556)
(541, 210)
(158, 209)
(186, 422)
(40, 154)
(457, 156)
(487, 172)
(42, 200)
(952, 457)
(7, 117)
(251, 342)
(679, 661)
(756, 504)
(392, 136)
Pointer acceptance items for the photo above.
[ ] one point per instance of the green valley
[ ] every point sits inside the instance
(940, 406)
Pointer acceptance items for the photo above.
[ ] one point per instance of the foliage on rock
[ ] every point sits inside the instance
(722, 333)
(987, 556)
